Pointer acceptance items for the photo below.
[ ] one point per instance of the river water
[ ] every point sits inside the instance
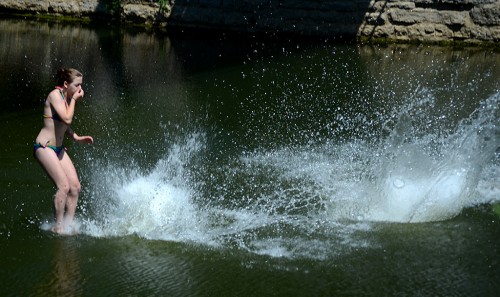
(246, 166)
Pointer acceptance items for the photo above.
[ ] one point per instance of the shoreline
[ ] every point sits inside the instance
(381, 22)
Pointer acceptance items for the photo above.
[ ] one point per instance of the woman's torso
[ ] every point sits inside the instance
(53, 130)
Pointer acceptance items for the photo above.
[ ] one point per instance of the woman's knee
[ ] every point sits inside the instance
(64, 187)
(69, 187)
(75, 188)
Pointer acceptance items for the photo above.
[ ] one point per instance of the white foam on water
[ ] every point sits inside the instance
(69, 228)
(154, 205)
(311, 201)
(489, 185)
(422, 199)
(400, 179)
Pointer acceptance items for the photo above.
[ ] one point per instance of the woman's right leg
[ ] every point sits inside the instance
(74, 187)
(50, 163)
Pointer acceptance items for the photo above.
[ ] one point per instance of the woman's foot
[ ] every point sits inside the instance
(57, 228)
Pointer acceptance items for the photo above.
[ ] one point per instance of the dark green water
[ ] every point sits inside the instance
(229, 166)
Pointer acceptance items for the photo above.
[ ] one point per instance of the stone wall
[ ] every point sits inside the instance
(433, 20)
(400, 20)
(137, 11)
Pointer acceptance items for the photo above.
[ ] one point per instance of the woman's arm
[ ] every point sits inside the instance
(65, 112)
(77, 138)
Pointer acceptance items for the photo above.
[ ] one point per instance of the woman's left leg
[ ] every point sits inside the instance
(74, 187)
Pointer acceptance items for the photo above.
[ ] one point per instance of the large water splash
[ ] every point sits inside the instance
(310, 200)
(154, 204)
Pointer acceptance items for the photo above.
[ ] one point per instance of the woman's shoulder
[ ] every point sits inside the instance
(53, 95)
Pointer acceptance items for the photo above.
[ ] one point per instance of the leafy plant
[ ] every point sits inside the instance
(163, 4)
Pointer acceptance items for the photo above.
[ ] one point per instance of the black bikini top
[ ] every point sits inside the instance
(54, 115)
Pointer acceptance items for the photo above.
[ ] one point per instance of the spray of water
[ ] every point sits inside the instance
(309, 201)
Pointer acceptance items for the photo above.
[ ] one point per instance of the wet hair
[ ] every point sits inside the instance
(67, 74)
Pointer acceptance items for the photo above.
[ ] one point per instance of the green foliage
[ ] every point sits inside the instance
(163, 4)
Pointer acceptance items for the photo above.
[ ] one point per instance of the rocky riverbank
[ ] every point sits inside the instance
(433, 20)
(470, 21)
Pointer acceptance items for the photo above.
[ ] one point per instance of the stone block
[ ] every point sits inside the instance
(455, 2)
(63, 7)
(376, 19)
(402, 5)
(409, 17)
(143, 13)
(453, 18)
(383, 31)
(487, 15)
(23, 5)
(419, 15)
(89, 6)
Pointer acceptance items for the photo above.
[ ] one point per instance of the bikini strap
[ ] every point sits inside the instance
(60, 91)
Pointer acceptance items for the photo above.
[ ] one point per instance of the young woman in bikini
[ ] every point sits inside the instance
(58, 114)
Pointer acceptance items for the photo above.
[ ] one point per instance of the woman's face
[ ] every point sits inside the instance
(75, 86)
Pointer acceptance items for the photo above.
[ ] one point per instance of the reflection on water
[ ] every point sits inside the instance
(64, 277)
(257, 159)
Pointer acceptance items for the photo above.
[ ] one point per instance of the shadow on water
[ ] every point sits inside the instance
(342, 19)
